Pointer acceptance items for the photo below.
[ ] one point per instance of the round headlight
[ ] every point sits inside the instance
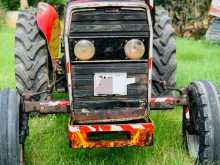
(134, 49)
(84, 50)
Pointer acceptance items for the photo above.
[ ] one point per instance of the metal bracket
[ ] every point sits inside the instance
(47, 107)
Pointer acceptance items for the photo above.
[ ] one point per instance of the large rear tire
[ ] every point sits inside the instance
(201, 126)
(164, 53)
(31, 56)
(10, 149)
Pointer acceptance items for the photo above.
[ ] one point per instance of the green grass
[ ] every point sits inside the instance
(7, 78)
(47, 143)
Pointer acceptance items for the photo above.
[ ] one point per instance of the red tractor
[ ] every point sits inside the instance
(119, 64)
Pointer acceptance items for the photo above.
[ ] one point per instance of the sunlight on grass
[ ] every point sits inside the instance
(47, 143)
(197, 61)
(7, 76)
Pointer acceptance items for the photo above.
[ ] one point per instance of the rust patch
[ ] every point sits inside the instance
(109, 115)
(169, 100)
(61, 106)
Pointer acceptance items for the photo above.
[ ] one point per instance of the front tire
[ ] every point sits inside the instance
(10, 149)
(201, 127)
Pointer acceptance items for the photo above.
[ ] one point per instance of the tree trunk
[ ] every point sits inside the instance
(24, 4)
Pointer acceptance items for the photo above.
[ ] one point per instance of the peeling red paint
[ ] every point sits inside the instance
(141, 134)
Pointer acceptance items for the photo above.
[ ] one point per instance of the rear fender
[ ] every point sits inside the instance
(48, 22)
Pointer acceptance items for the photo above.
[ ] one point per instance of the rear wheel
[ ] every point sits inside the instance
(11, 152)
(164, 53)
(201, 125)
(31, 56)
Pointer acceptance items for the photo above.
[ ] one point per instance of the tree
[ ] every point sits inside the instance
(190, 17)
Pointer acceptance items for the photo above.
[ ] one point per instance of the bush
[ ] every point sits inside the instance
(57, 2)
(190, 17)
(11, 4)
(53, 2)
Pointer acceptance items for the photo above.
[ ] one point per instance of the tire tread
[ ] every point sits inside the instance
(31, 55)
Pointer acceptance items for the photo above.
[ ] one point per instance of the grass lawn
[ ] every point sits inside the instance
(47, 143)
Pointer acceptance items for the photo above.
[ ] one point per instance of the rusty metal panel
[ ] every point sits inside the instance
(140, 134)
(109, 115)
(168, 101)
(47, 107)
(94, 104)
(83, 80)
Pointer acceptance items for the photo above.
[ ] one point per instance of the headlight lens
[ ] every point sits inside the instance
(84, 50)
(134, 49)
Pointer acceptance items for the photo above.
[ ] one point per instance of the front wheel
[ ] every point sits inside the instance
(201, 123)
(11, 152)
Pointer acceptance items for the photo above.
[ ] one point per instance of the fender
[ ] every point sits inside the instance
(48, 22)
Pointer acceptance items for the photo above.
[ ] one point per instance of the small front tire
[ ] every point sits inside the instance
(201, 124)
(10, 149)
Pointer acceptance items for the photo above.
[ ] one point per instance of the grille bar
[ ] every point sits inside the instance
(109, 21)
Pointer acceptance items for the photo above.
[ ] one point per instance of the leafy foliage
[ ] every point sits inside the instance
(54, 2)
(190, 17)
(11, 4)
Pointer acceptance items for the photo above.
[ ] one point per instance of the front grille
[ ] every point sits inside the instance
(109, 29)
(109, 22)
(83, 85)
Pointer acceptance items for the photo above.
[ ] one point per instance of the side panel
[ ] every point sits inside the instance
(49, 24)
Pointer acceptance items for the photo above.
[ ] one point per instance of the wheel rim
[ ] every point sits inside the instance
(193, 144)
(192, 133)
(22, 154)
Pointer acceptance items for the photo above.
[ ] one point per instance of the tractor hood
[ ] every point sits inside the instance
(148, 2)
(83, 4)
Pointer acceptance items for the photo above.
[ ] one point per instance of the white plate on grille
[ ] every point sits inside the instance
(110, 84)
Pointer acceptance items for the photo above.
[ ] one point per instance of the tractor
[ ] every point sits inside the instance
(117, 63)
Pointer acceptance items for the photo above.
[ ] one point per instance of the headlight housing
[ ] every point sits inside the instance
(84, 50)
(134, 49)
